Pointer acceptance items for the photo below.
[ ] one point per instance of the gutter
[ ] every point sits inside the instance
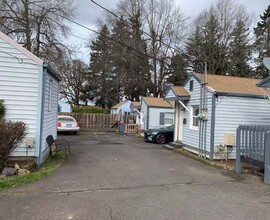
(43, 88)
(240, 95)
(213, 124)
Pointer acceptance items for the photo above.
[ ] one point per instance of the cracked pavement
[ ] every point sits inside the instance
(110, 176)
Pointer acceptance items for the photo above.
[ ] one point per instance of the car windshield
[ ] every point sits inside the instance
(66, 119)
(170, 127)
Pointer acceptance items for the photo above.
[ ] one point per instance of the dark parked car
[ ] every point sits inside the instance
(159, 136)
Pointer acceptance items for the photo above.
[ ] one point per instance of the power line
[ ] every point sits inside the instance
(149, 35)
(110, 38)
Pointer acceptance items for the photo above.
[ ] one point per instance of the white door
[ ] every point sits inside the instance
(178, 131)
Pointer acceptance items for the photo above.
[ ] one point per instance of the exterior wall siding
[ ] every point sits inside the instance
(154, 114)
(234, 111)
(170, 94)
(49, 113)
(144, 114)
(19, 89)
(191, 135)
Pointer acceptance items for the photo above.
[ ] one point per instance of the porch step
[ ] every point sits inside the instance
(168, 147)
(176, 144)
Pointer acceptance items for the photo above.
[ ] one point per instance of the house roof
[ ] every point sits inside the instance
(180, 91)
(158, 102)
(232, 84)
(136, 104)
(21, 48)
(264, 83)
(118, 105)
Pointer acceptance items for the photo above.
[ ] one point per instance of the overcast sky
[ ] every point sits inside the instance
(87, 14)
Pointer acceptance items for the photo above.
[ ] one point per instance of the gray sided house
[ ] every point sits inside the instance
(229, 102)
(156, 113)
(30, 90)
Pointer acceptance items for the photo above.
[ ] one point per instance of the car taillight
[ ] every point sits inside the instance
(59, 124)
(78, 125)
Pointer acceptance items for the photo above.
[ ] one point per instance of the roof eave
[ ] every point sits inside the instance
(239, 95)
(52, 72)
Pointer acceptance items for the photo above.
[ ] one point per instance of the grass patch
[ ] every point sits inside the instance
(46, 169)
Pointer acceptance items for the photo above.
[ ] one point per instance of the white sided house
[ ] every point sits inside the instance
(121, 108)
(203, 123)
(30, 90)
(156, 113)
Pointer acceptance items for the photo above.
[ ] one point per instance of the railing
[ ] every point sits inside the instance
(253, 146)
(98, 121)
(132, 128)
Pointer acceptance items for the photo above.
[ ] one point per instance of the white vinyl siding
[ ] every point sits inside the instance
(234, 111)
(170, 94)
(154, 116)
(50, 114)
(19, 90)
(190, 133)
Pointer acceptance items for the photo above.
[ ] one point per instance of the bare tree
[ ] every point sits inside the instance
(74, 81)
(38, 25)
(214, 30)
(163, 25)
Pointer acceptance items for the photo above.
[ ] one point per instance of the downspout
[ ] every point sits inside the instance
(147, 122)
(213, 123)
(44, 75)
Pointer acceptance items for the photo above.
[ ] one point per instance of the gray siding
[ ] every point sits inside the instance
(144, 113)
(154, 117)
(19, 90)
(50, 114)
(191, 135)
(170, 94)
(234, 111)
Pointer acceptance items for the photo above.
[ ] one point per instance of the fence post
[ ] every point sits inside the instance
(238, 150)
(267, 158)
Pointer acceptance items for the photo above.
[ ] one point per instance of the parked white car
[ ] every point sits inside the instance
(67, 124)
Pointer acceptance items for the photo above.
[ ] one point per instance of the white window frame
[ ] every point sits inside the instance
(168, 114)
(192, 117)
(50, 95)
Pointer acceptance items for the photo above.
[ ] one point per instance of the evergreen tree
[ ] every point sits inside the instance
(214, 51)
(262, 43)
(121, 39)
(178, 70)
(101, 68)
(240, 51)
(194, 50)
(138, 71)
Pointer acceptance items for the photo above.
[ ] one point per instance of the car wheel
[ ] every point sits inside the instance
(75, 132)
(160, 139)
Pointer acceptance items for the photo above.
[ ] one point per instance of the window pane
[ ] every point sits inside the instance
(195, 114)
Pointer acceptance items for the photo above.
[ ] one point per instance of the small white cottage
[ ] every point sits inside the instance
(156, 113)
(30, 90)
(204, 122)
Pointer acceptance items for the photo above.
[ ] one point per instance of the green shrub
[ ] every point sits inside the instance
(11, 134)
(90, 109)
(2, 109)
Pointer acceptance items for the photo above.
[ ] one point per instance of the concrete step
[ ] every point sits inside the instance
(168, 147)
(176, 144)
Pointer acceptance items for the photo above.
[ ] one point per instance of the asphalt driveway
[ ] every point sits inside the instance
(110, 176)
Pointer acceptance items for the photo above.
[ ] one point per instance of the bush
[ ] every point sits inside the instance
(11, 134)
(90, 109)
(2, 109)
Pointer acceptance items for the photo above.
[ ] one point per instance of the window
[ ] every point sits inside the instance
(50, 95)
(168, 120)
(195, 116)
(191, 85)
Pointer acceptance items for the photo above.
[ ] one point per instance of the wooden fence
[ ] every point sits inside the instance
(99, 121)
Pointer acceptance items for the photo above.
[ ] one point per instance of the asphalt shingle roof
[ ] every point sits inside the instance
(158, 102)
(232, 84)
